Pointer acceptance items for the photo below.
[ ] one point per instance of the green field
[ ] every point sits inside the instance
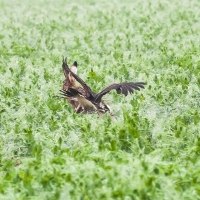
(150, 151)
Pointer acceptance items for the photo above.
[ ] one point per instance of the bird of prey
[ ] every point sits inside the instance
(89, 101)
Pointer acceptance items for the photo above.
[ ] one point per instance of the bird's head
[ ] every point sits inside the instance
(75, 64)
(74, 67)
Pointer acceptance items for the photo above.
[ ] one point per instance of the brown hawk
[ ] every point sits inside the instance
(83, 99)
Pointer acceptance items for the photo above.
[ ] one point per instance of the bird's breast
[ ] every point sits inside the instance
(85, 103)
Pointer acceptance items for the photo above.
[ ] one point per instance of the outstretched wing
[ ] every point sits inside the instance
(121, 88)
(88, 91)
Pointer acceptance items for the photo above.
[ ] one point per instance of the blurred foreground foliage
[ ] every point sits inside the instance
(150, 150)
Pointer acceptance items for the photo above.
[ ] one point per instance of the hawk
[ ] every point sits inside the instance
(83, 99)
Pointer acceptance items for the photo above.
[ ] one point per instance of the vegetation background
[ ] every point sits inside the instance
(152, 148)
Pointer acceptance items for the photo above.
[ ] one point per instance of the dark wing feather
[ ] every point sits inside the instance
(71, 92)
(123, 88)
(88, 91)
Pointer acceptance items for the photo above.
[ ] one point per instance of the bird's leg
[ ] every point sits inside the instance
(98, 112)
(78, 109)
